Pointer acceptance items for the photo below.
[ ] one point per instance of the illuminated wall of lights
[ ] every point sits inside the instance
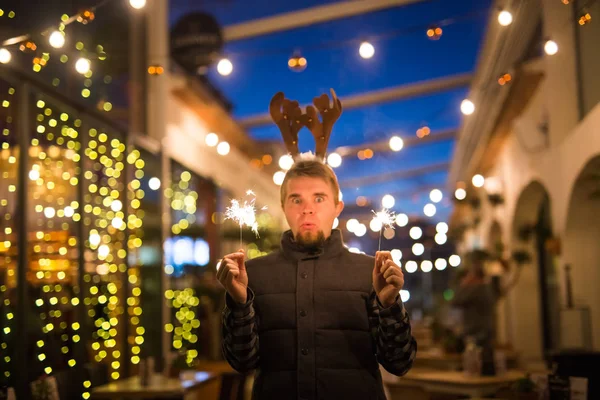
(189, 197)
(84, 196)
(8, 236)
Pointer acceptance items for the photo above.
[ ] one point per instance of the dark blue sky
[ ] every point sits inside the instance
(403, 54)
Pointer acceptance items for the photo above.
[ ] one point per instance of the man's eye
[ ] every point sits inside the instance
(296, 201)
(319, 199)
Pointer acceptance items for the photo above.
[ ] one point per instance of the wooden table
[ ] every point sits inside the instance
(455, 382)
(158, 387)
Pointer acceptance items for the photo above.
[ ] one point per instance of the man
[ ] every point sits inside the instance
(312, 318)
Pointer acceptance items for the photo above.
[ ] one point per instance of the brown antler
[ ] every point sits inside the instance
(288, 116)
(321, 131)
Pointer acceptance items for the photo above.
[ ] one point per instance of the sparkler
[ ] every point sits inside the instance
(387, 219)
(244, 214)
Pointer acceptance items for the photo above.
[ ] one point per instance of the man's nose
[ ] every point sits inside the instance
(308, 210)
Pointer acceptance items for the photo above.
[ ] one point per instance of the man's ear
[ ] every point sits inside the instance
(339, 208)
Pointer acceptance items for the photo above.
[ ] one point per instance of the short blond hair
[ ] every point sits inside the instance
(311, 169)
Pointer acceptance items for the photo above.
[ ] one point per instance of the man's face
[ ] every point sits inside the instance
(310, 209)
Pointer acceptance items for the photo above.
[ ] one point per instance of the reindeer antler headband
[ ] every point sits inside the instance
(289, 118)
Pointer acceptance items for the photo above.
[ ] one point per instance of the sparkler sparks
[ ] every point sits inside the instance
(244, 214)
(387, 218)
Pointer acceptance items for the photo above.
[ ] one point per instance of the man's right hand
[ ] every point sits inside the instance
(233, 277)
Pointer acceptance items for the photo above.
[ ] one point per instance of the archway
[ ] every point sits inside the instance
(581, 250)
(535, 301)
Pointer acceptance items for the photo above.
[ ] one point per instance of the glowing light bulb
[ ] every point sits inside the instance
(225, 67)
(223, 148)
(211, 139)
(83, 65)
(366, 50)
(505, 18)
(137, 4)
(334, 160)
(478, 180)
(436, 195)
(467, 107)
(5, 56)
(388, 201)
(396, 143)
(57, 39)
(278, 177)
(551, 48)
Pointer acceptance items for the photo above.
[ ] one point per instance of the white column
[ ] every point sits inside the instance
(157, 35)
(157, 53)
(561, 70)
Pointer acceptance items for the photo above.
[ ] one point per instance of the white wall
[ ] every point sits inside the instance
(557, 170)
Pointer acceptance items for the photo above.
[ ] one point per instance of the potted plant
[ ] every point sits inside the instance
(524, 233)
(521, 257)
(495, 199)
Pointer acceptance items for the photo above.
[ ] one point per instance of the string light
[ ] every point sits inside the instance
(223, 148)
(410, 267)
(436, 195)
(334, 160)
(388, 201)
(5, 56)
(467, 107)
(156, 70)
(434, 33)
(505, 18)
(415, 232)
(28, 47)
(366, 50)
(478, 180)
(585, 18)
(423, 131)
(396, 143)
(297, 63)
(460, 194)
(429, 210)
(224, 67)
(550, 47)
(137, 4)
(57, 39)
(401, 220)
(454, 260)
(211, 139)
(83, 66)
(278, 177)
(86, 17)
(504, 79)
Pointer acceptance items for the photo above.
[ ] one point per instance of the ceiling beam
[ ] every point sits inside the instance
(307, 17)
(396, 93)
(383, 146)
(394, 175)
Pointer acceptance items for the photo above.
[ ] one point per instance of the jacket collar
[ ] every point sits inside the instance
(332, 247)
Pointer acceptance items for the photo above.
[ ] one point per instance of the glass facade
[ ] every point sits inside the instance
(72, 239)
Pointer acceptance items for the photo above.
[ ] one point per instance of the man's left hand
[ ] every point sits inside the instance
(388, 278)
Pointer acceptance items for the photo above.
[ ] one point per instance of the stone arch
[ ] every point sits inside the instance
(534, 304)
(581, 250)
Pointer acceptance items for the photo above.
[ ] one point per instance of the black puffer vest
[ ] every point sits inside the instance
(314, 336)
